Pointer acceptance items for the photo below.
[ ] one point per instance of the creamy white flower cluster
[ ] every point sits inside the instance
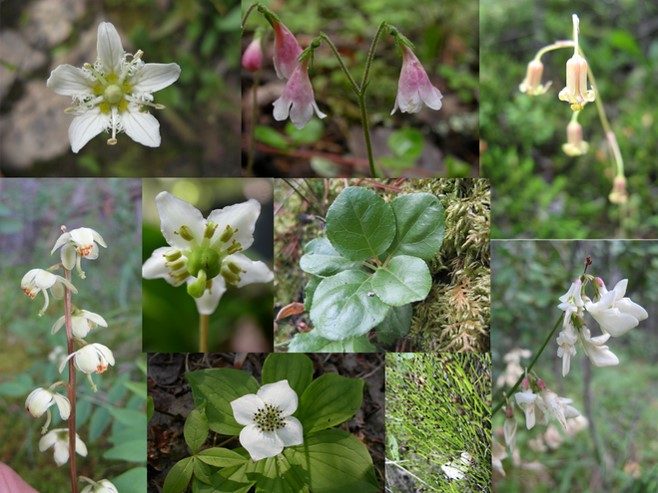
(615, 314)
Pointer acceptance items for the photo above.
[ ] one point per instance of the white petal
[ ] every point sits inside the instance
(155, 76)
(279, 394)
(253, 271)
(301, 114)
(48, 440)
(292, 433)
(175, 213)
(154, 267)
(68, 80)
(143, 128)
(281, 108)
(318, 113)
(80, 446)
(108, 45)
(615, 323)
(64, 361)
(61, 452)
(207, 304)
(620, 289)
(68, 256)
(99, 239)
(431, 96)
(629, 307)
(260, 445)
(241, 216)
(86, 126)
(38, 402)
(95, 318)
(105, 352)
(44, 279)
(79, 326)
(62, 240)
(245, 407)
(82, 236)
(63, 405)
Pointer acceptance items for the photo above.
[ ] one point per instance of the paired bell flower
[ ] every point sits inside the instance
(268, 422)
(77, 244)
(297, 99)
(82, 321)
(40, 400)
(114, 93)
(414, 86)
(206, 253)
(58, 439)
(39, 281)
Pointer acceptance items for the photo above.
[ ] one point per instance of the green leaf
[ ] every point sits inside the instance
(20, 387)
(100, 419)
(130, 450)
(296, 368)
(311, 342)
(321, 259)
(395, 325)
(203, 472)
(279, 475)
(218, 387)
(150, 408)
(221, 457)
(309, 291)
(137, 388)
(345, 306)
(360, 224)
(311, 133)
(196, 429)
(403, 280)
(131, 481)
(406, 143)
(179, 476)
(128, 416)
(336, 462)
(330, 400)
(419, 222)
(270, 137)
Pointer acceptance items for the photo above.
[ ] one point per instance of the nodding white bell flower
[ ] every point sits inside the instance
(114, 94)
(40, 400)
(92, 358)
(39, 281)
(414, 86)
(82, 321)
(59, 440)
(102, 486)
(76, 244)
(206, 253)
(576, 92)
(267, 417)
(297, 100)
(615, 313)
(532, 85)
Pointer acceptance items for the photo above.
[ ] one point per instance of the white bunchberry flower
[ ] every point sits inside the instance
(59, 440)
(76, 244)
(114, 93)
(40, 400)
(92, 358)
(615, 314)
(267, 417)
(414, 86)
(205, 253)
(102, 486)
(39, 281)
(82, 321)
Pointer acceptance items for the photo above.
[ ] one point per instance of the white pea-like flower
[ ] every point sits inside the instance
(39, 281)
(92, 358)
(40, 400)
(77, 244)
(615, 313)
(82, 321)
(268, 422)
(59, 440)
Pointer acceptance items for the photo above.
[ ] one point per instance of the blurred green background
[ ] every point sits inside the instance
(199, 127)
(538, 191)
(111, 421)
(242, 321)
(618, 451)
(425, 144)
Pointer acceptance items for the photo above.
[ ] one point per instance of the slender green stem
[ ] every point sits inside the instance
(355, 86)
(248, 13)
(558, 45)
(366, 134)
(203, 333)
(371, 55)
(530, 366)
(71, 387)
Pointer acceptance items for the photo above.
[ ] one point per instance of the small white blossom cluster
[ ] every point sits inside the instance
(90, 358)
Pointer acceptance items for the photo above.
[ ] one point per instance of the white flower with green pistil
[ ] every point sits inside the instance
(114, 93)
(77, 244)
(206, 253)
(39, 281)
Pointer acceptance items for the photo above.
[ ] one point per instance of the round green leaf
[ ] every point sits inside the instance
(296, 368)
(345, 306)
(419, 225)
(311, 342)
(321, 259)
(405, 279)
(395, 325)
(217, 387)
(330, 400)
(360, 224)
(309, 291)
(179, 476)
(196, 429)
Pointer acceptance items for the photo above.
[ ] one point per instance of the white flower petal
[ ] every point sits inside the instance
(61, 452)
(79, 326)
(68, 256)
(279, 394)
(615, 323)
(62, 240)
(109, 47)
(63, 405)
(86, 126)
(241, 216)
(95, 318)
(48, 440)
(154, 267)
(431, 96)
(142, 127)
(82, 237)
(260, 445)
(68, 80)
(292, 433)
(59, 323)
(252, 271)
(155, 76)
(281, 108)
(629, 307)
(175, 213)
(207, 304)
(245, 407)
(80, 446)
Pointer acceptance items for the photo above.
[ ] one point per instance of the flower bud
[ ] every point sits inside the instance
(575, 145)
(618, 194)
(286, 50)
(252, 59)
(532, 85)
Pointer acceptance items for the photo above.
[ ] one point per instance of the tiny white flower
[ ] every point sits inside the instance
(558, 407)
(615, 313)
(59, 440)
(39, 281)
(76, 244)
(566, 341)
(92, 358)
(206, 253)
(114, 94)
(40, 400)
(82, 321)
(498, 454)
(267, 417)
(102, 486)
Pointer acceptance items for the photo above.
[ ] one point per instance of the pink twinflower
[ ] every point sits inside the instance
(252, 58)
(297, 99)
(286, 51)
(414, 86)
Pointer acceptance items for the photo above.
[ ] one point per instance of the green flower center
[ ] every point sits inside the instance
(206, 259)
(269, 418)
(113, 94)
